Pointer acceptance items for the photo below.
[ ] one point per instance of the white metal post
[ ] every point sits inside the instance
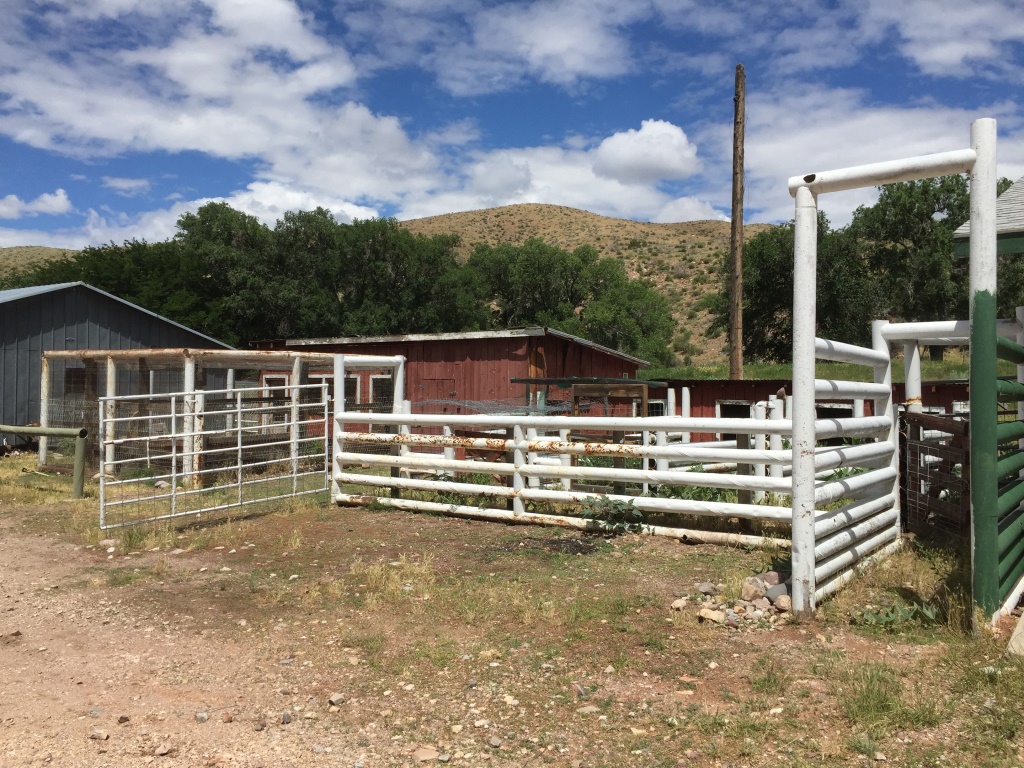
(531, 457)
(804, 317)
(518, 460)
(684, 410)
(760, 413)
(884, 406)
(670, 402)
(188, 457)
(338, 445)
(912, 377)
(775, 408)
(44, 406)
(293, 430)
(565, 458)
(111, 392)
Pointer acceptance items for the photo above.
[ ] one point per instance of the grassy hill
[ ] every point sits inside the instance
(20, 256)
(682, 260)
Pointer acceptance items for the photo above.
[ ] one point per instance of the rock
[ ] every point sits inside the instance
(99, 735)
(770, 578)
(609, 670)
(481, 723)
(761, 604)
(163, 749)
(880, 757)
(202, 716)
(425, 754)
(104, 543)
(495, 742)
(161, 484)
(337, 699)
(707, 588)
(588, 710)
(784, 603)
(732, 623)
(456, 729)
(706, 614)
(751, 590)
(772, 593)
(260, 724)
(122, 719)
(446, 757)
(678, 605)
(285, 718)
(227, 717)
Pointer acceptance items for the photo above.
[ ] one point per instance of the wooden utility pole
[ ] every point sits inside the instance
(736, 239)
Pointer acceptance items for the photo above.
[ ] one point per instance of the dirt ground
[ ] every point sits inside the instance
(442, 640)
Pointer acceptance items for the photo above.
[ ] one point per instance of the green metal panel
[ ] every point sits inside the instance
(1011, 463)
(1010, 390)
(1011, 496)
(1010, 431)
(1010, 529)
(1011, 568)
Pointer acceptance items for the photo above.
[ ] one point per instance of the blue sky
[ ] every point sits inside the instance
(117, 116)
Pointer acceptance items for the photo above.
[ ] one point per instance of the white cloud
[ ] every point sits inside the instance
(812, 128)
(659, 150)
(688, 209)
(126, 187)
(952, 38)
(13, 207)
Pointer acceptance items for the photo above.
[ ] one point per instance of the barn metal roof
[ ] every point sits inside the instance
(1009, 221)
(16, 294)
(533, 330)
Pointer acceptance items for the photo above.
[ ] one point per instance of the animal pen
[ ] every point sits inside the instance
(839, 502)
(832, 494)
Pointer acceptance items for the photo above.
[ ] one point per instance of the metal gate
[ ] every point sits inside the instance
(166, 456)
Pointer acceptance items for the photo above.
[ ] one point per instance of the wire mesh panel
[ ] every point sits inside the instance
(936, 471)
(165, 456)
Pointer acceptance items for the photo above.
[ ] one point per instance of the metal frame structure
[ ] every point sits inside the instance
(979, 161)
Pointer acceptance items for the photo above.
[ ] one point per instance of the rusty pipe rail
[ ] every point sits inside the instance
(78, 478)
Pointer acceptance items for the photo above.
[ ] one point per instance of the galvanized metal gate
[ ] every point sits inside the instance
(182, 454)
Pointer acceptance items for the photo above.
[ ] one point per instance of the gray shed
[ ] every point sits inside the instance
(71, 316)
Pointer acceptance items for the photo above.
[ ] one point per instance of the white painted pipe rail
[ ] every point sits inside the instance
(848, 537)
(840, 352)
(826, 493)
(504, 515)
(889, 172)
(835, 583)
(862, 509)
(848, 389)
(851, 554)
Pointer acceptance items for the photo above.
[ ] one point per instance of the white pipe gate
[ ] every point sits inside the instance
(875, 528)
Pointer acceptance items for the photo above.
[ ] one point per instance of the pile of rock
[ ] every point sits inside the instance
(762, 600)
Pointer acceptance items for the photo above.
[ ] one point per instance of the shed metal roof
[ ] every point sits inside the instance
(17, 294)
(533, 330)
(1009, 223)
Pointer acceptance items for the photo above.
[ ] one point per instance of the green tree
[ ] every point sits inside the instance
(846, 295)
(577, 292)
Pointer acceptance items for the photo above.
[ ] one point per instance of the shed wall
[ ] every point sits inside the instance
(68, 319)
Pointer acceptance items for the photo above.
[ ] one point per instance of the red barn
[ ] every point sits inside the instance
(480, 365)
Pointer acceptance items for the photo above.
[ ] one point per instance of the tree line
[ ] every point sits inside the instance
(226, 274)
(894, 260)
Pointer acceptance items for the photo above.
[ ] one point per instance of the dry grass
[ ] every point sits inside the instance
(21, 256)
